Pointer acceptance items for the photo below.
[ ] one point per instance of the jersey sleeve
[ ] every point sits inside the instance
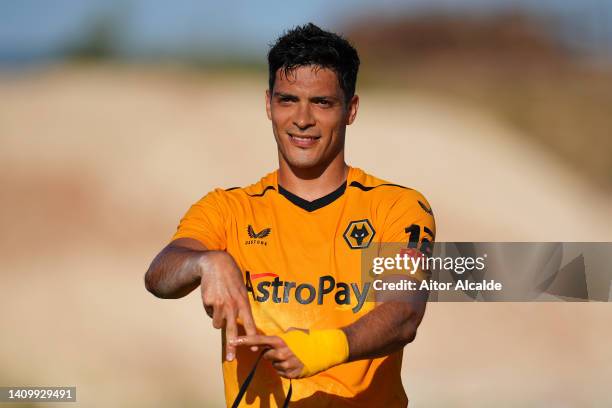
(410, 219)
(206, 222)
(409, 228)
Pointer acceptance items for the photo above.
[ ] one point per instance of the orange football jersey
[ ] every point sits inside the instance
(301, 262)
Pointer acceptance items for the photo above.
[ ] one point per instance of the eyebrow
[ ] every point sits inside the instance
(312, 98)
(284, 95)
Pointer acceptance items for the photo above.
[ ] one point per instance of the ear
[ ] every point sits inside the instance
(351, 111)
(268, 104)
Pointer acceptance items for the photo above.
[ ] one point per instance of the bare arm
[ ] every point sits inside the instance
(394, 321)
(395, 324)
(184, 265)
(175, 272)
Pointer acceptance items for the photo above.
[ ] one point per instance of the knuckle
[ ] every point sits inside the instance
(240, 302)
(230, 304)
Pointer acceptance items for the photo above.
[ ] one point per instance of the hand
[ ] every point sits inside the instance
(283, 360)
(225, 297)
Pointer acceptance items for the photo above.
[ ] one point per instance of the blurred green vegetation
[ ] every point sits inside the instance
(99, 41)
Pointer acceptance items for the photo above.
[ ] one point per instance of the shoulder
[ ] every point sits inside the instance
(239, 195)
(267, 183)
(386, 193)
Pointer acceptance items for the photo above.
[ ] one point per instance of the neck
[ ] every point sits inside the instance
(312, 183)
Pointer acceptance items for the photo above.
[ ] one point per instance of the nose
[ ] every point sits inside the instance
(303, 118)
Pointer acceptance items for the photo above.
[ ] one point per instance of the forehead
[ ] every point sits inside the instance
(308, 79)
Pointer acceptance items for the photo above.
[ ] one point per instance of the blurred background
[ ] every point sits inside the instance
(116, 115)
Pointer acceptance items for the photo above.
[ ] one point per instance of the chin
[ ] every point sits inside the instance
(304, 163)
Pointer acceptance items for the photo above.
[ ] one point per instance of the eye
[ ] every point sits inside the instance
(286, 99)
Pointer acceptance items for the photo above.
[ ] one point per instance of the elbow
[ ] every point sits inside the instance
(410, 325)
(152, 285)
(408, 334)
(158, 289)
(149, 285)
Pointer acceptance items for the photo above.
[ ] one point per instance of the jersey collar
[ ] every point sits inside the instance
(311, 206)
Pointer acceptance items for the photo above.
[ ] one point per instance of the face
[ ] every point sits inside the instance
(309, 116)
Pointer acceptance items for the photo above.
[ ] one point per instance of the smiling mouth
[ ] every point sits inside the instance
(303, 140)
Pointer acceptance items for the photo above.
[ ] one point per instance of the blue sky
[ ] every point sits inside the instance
(36, 27)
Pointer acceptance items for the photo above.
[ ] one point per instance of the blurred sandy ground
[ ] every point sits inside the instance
(99, 163)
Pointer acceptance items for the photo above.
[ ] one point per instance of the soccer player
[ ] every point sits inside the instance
(278, 262)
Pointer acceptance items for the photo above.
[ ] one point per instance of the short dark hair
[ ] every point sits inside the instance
(310, 45)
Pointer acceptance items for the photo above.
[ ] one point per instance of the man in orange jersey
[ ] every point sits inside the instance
(279, 262)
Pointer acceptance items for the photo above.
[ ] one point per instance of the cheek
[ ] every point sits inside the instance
(279, 118)
(331, 131)
(330, 122)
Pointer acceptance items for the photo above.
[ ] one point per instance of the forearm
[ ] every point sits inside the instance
(174, 272)
(384, 330)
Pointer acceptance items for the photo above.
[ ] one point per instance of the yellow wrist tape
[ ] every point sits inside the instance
(317, 350)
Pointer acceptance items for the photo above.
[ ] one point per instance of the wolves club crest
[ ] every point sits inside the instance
(359, 234)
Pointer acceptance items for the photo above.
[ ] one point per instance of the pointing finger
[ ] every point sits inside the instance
(258, 340)
(248, 321)
(231, 331)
